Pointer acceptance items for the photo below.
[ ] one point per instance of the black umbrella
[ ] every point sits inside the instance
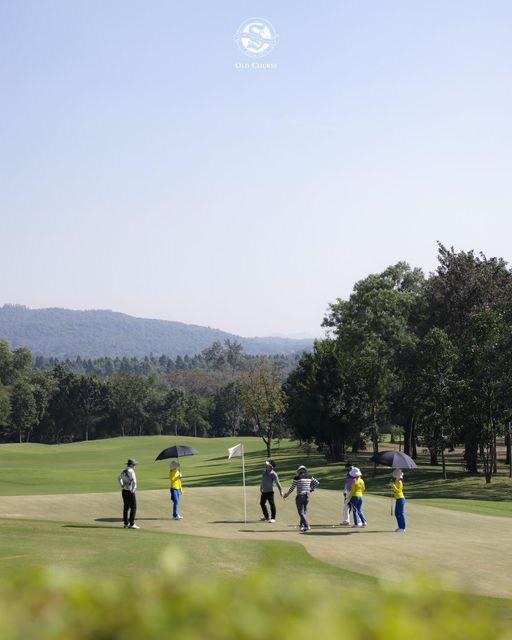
(395, 459)
(176, 451)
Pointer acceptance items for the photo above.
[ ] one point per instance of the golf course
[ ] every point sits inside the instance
(60, 507)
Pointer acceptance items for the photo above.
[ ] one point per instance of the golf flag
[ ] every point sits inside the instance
(237, 450)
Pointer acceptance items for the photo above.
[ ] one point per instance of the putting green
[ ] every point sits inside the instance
(470, 548)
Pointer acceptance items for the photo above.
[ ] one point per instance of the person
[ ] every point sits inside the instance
(128, 481)
(355, 497)
(176, 488)
(346, 490)
(305, 485)
(268, 479)
(397, 484)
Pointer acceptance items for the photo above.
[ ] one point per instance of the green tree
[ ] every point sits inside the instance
(263, 400)
(176, 406)
(437, 387)
(23, 409)
(321, 400)
(233, 354)
(129, 398)
(226, 412)
(463, 286)
(372, 328)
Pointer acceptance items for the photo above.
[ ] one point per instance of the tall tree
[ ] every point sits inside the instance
(437, 388)
(321, 400)
(23, 409)
(371, 329)
(263, 400)
(176, 404)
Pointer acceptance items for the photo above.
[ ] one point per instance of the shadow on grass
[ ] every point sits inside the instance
(232, 522)
(86, 526)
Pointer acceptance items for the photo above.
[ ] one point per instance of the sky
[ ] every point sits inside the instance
(148, 165)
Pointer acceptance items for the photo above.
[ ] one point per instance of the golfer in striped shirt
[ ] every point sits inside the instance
(305, 484)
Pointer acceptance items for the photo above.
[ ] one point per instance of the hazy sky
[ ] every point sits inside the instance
(142, 171)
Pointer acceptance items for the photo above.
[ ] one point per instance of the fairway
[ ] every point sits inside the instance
(84, 530)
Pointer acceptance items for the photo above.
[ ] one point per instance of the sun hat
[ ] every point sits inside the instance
(174, 465)
(355, 472)
(270, 463)
(397, 473)
(302, 469)
(131, 462)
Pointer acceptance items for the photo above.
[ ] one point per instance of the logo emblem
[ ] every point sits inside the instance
(256, 37)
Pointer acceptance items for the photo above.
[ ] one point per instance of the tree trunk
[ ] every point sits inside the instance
(471, 456)
(509, 450)
(408, 431)
(414, 441)
(494, 452)
(433, 457)
(507, 446)
(443, 462)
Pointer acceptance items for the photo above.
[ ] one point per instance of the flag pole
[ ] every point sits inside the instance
(243, 476)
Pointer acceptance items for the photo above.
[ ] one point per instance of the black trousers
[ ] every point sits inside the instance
(129, 505)
(268, 496)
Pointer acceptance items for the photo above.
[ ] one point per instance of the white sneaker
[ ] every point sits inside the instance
(399, 530)
(271, 520)
(177, 517)
(356, 526)
(133, 526)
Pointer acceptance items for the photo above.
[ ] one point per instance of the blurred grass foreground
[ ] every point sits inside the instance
(48, 604)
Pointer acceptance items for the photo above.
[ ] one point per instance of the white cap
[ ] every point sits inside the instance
(355, 472)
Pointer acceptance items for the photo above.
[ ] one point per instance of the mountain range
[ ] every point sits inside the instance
(66, 333)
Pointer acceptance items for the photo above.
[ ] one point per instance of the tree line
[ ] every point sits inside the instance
(430, 357)
(425, 357)
(212, 394)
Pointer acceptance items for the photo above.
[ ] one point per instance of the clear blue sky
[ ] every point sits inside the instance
(141, 171)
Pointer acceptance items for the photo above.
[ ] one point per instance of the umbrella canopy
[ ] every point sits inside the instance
(395, 459)
(176, 451)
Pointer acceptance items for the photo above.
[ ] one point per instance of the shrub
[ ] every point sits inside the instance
(52, 605)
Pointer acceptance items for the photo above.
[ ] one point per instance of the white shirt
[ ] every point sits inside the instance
(128, 480)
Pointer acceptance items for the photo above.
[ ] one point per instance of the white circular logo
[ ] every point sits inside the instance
(256, 37)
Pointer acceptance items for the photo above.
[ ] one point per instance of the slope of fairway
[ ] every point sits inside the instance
(469, 547)
(83, 467)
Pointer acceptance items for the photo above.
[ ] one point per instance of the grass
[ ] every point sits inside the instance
(84, 467)
(61, 505)
(26, 543)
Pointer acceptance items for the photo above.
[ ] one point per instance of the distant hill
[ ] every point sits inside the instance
(63, 333)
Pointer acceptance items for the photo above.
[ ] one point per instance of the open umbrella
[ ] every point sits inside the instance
(395, 459)
(176, 451)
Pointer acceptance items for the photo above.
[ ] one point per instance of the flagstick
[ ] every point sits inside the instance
(243, 475)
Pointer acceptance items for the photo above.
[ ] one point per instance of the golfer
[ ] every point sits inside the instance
(176, 488)
(346, 490)
(398, 494)
(305, 485)
(355, 497)
(128, 481)
(268, 479)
